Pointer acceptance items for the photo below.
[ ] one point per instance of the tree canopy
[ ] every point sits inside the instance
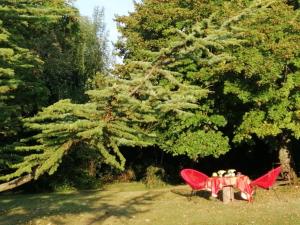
(198, 77)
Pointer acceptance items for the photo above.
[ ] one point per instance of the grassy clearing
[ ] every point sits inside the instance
(122, 204)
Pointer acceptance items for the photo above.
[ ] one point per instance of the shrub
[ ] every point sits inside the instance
(154, 177)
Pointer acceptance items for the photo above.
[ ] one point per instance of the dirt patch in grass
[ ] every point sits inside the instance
(133, 204)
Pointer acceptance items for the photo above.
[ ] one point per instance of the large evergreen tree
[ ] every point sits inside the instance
(149, 104)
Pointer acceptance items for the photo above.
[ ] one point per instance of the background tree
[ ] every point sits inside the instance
(28, 26)
(51, 29)
(23, 80)
(58, 56)
(151, 25)
(95, 52)
(265, 78)
(21, 88)
(264, 53)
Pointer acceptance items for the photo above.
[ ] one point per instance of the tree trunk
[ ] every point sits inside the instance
(286, 161)
(16, 182)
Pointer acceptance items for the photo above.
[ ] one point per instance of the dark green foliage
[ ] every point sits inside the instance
(26, 30)
(265, 73)
(51, 29)
(22, 93)
(23, 85)
(57, 57)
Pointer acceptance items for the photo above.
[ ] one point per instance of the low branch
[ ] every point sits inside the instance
(16, 182)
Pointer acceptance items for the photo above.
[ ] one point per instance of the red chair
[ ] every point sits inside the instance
(266, 181)
(195, 179)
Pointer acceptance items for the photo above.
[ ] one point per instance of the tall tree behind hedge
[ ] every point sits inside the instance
(94, 60)
(95, 53)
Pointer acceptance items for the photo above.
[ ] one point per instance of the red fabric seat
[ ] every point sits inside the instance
(266, 181)
(195, 179)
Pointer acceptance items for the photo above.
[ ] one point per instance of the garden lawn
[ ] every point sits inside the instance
(122, 204)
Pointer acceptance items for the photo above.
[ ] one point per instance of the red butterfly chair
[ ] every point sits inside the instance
(195, 179)
(266, 181)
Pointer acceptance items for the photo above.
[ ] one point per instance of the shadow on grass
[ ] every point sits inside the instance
(204, 194)
(20, 209)
(187, 193)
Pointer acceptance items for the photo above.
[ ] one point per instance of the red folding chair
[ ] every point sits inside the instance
(267, 181)
(195, 179)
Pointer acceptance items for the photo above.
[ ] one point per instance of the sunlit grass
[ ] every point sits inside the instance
(132, 203)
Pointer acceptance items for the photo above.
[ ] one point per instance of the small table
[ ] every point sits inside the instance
(241, 182)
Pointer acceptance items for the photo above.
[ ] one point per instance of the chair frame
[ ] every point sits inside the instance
(183, 174)
(277, 171)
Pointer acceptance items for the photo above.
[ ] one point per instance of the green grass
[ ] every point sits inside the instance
(122, 204)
